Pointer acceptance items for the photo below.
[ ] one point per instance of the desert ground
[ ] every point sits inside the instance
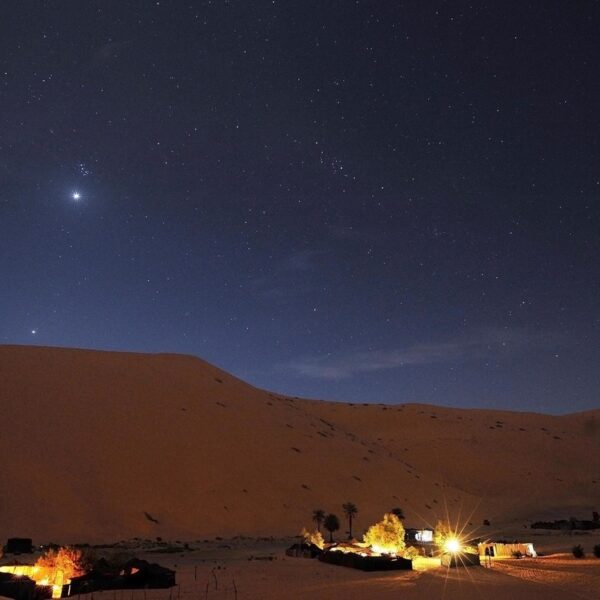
(258, 569)
(556, 575)
(103, 446)
(245, 567)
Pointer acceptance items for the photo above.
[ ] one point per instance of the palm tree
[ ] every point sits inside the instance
(331, 523)
(318, 517)
(398, 512)
(350, 511)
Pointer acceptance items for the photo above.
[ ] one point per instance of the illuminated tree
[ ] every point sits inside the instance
(331, 523)
(69, 561)
(318, 517)
(441, 533)
(387, 536)
(312, 537)
(350, 511)
(58, 567)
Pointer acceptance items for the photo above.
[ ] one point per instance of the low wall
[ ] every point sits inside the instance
(366, 563)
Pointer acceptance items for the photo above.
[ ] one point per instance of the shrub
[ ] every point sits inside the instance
(313, 537)
(578, 551)
(486, 522)
(597, 550)
(387, 536)
(411, 553)
(68, 560)
(441, 533)
(517, 554)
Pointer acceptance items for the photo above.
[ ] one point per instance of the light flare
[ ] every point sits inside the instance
(453, 545)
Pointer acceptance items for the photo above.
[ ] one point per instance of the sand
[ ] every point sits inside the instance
(103, 446)
(259, 570)
(557, 575)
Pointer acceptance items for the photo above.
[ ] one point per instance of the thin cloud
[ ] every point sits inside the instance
(110, 51)
(302, 260)
(353, 233)
(484, 343)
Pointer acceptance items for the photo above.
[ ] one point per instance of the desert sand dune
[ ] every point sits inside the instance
(100, 446)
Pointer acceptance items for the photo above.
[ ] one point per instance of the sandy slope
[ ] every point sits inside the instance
(91, 441)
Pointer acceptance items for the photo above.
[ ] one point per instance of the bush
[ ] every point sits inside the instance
(315, 538)
(597, 550)
(486, 522)
(387, 536)
(411, 553)
(517, 554)
(578, 551)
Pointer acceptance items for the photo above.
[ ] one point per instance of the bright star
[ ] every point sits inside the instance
(33, 331)
(75, 195)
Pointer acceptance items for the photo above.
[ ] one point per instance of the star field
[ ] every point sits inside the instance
(351, 200)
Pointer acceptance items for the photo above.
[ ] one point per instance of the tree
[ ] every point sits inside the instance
(318, 517)
(312, 537)
(578, 551)
(331, 523)
(398, 512)
(350, 511)
(63, 563)
(67, 560)
(441, 533)
(387, 536)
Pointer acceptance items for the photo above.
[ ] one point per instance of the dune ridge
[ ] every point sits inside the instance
(101, 446)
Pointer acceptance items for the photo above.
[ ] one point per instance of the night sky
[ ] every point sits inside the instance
(370, 201)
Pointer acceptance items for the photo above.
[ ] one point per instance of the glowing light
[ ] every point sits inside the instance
(76, 195)
(424, 535)
(453, 545)
(390, 550)
(53, 570)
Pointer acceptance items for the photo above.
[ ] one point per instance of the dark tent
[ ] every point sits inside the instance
(18, 546)
(135, 574)
(366, 563)
(22, 588)
(303, 551)
(141, 573)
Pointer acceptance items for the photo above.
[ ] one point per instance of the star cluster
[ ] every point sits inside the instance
(363, 201)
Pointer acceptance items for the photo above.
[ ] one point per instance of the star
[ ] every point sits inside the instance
(33, 331)
(76, 195)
